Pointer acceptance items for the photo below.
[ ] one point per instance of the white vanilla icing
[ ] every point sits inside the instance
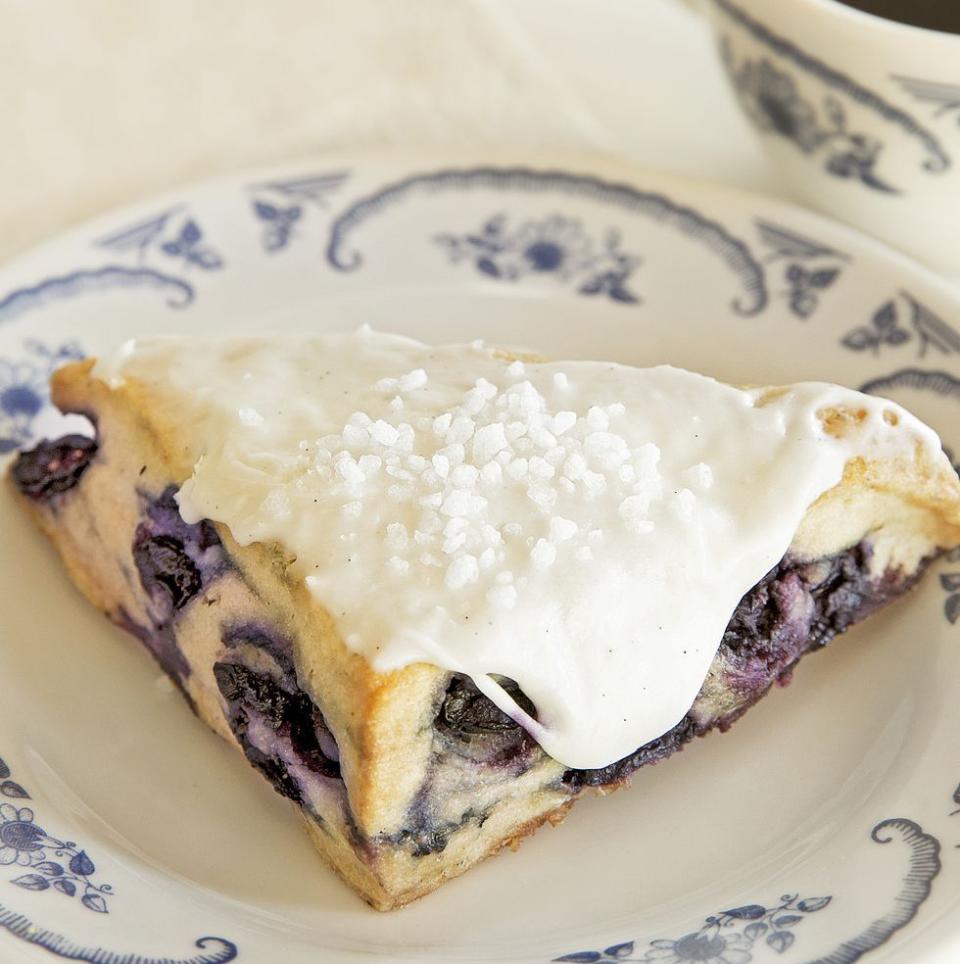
(585, 529)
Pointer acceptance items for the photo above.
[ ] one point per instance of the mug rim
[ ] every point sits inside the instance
(855, 14)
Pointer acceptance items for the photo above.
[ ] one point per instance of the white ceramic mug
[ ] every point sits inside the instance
(860, 114)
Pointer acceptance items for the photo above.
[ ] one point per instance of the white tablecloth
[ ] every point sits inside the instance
(107, 101)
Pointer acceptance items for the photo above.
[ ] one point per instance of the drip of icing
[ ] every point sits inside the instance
(583, 528)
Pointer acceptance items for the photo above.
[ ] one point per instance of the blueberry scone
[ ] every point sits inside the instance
(436, 594)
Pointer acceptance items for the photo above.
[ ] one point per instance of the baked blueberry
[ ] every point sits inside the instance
(288, 726)
(466, 711)
(175, 559)
(52, 467)
(165, 567)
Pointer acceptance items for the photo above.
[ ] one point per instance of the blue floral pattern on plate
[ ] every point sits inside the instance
(724, 938)
(279, 223)
(24, 390)
(712, 235)
(272, 205)
(187, 241)
(810, 267)
(730, 937)
(903, 320)
(555, 246)
(950, 583)
(190, 246)
(24, 843)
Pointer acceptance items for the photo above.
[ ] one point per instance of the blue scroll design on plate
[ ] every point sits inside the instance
(173, 236)
(734, 936)
(711, 234)
(924, 865)
(937, 159)
(213, 950)
(179, 293)
(918, 379)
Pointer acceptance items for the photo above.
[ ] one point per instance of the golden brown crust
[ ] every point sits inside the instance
(419, 885)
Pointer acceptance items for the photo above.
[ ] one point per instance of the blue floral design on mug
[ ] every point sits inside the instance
(773, 102)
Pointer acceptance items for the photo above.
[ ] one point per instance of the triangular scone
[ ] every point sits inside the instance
(406, 777)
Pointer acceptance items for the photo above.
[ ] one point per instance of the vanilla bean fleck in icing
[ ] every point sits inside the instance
(583, 528)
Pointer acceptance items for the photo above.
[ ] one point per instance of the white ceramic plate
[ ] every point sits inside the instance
(822, 828)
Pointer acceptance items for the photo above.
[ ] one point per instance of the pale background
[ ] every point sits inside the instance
(103, 102)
